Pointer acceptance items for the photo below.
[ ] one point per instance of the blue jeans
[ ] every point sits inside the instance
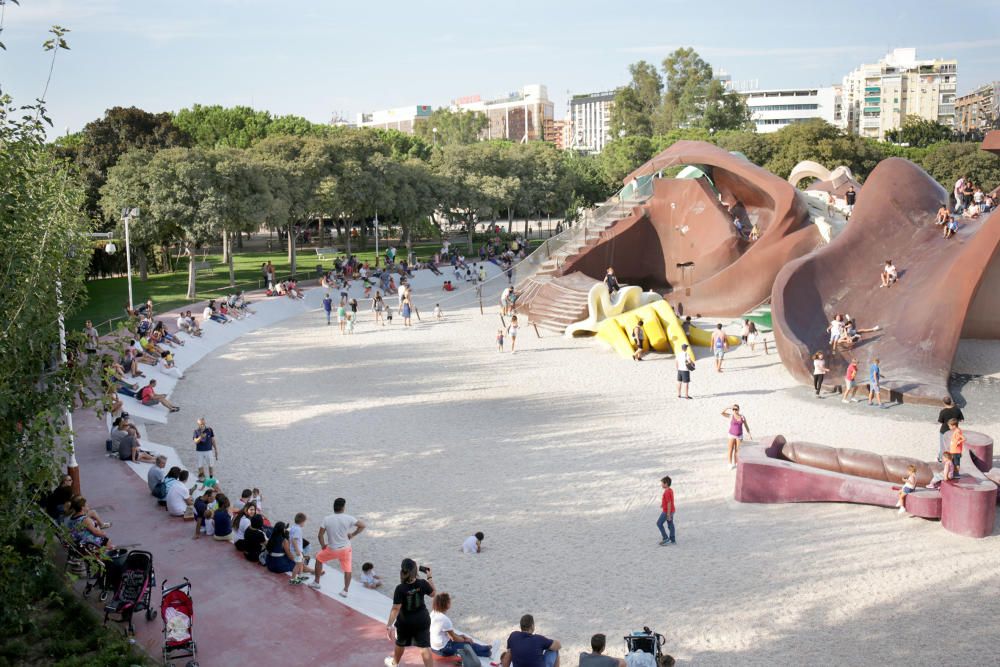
(452, 648)
(670, 525)
(328, 317)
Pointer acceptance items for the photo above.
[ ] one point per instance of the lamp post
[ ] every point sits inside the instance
(434, 130)
(128, 215)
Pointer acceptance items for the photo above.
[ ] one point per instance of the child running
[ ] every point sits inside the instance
(499, 340)
(909, 486)
(737, 424)
(437, 311)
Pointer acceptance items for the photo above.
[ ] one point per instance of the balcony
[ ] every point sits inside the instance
(872, 110)
(873, 89)
(872, 100)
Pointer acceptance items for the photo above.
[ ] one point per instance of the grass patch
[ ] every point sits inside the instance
(60, 629)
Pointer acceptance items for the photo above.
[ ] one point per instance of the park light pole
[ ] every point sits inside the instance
(128, 215)
(434, 130)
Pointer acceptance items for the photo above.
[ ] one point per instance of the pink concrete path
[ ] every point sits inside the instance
(243, 613)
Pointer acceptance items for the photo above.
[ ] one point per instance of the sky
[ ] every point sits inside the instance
(326, 57)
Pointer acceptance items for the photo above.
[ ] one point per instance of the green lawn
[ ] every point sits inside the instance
(107, 296)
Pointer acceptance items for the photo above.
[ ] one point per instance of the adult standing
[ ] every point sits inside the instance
(328, 307)
(737, 425)
(378, 305)
(91, 335)
(409, 621)
(667, 509)
(959, 186)
(719, 346)
(205, 448)
(819, 371)
(335, 535)
(875, 383)
(850, 197)
(948, 412)
(684, 365)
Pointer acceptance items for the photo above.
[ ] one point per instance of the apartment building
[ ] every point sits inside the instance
(404, 119)
(590, 115)
(979, 111)
(880, 96)
(776, 108)
(518, 116)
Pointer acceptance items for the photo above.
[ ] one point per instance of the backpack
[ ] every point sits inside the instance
(160, 490)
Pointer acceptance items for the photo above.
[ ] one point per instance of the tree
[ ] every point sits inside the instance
(949, 162)
(620, 157)
(453, 127)
(687, 79)
(237, 199)
(636, 104)
(105, 140)
(45, 248)
(919, 132)
(215, 126)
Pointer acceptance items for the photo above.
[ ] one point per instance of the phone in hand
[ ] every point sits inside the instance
(424, 569)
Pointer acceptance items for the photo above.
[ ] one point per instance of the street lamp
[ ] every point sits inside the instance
(434, 130)
(128, 215)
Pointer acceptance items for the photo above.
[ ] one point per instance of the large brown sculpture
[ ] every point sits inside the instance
(683, 240)
(947, 288)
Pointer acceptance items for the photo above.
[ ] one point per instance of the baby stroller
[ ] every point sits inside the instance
(133, 591)
(639, 645)
(177, 611)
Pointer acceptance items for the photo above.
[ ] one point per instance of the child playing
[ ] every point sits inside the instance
(437, 311)
(368, 577)
(351, 317)
(342, 316)
(388, 313)
(499, 340)
(957, 444)
(909, 486)
(512, 332)
(949, 466)
(298, 554)
(889, 274)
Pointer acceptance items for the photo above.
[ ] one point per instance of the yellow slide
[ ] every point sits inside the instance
(662, 328)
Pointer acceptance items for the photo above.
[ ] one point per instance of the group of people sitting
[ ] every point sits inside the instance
(85, 528)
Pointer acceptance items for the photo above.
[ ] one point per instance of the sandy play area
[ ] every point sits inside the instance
(555, 452)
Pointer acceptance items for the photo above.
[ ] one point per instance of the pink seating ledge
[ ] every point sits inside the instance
(766, 474)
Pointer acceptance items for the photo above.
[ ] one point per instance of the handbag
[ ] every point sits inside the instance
(690, 365)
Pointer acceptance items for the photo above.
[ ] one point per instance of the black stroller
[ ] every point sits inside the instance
(134, 590)
(650, 642)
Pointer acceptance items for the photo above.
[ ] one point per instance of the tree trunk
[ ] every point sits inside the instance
(510, 219)
(191, 273)
(350, 226)
(471, 225)
(226, 250)
(527, 221)
(291, 249)
(319, 232)
(167, 266)
(141, 260)
(232, 270)
(408, 236)
(239, 240)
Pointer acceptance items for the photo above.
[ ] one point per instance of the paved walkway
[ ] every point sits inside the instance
(243, 613)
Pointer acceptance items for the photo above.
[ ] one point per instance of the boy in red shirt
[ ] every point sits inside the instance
(957, 443)
(667, 509)
(850, 381)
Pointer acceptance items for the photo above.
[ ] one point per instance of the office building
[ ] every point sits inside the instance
(517, 116)
(590, 115)
(403, 119)
(557, 132)
(879, 97)
(774, 109)
(979, 111)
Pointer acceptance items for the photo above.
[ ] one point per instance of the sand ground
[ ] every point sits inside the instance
(555, 452)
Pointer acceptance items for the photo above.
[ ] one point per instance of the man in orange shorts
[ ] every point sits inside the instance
(335, 535)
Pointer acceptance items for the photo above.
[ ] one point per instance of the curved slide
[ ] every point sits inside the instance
(601, 305)
(947, 288)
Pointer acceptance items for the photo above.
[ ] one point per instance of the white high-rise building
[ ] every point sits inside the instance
(879, 97)
(517, 116)
(404, 119)
(776, 108)
(590, 115)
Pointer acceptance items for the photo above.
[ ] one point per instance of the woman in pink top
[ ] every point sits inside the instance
(737, 424)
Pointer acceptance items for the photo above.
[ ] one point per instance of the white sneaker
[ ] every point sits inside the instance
(389, 662)
(732, 466)
(315, 585)
(902, 509)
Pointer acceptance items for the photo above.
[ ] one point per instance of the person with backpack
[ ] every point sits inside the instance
(409, 621)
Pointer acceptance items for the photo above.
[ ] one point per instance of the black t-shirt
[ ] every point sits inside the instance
(253, 542)
(949, 413)
(410, 597)
(850, 196)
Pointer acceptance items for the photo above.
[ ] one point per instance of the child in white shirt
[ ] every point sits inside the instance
(368, 577)
(437, 310)
(295, 544)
